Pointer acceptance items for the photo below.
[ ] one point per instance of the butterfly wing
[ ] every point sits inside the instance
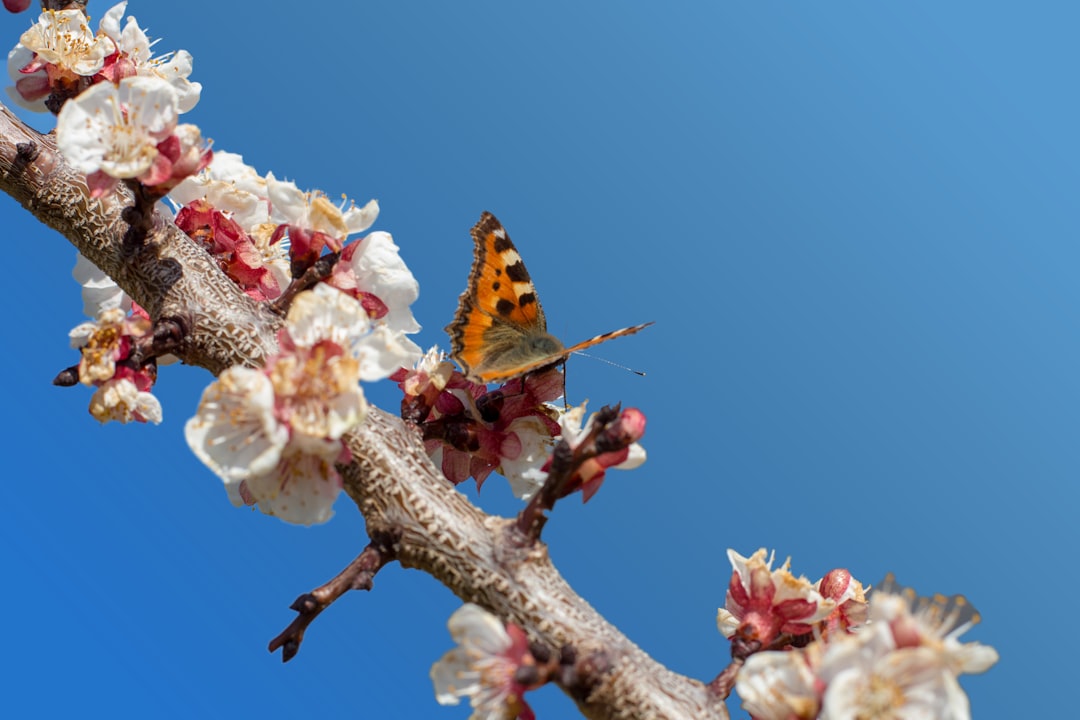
(499, 322)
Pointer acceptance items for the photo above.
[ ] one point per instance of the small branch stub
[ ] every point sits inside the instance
(358, 575)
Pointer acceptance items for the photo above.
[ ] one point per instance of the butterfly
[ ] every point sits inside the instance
(499, 331)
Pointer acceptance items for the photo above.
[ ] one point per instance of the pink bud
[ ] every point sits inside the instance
(834, 584)
(16, 6)
(632, 423)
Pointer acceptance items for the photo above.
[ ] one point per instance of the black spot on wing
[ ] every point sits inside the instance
(526, 299)
(517, 272)
(502, 244)
(504, 307)
(495, 286)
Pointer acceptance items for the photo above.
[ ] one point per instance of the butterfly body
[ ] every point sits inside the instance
(499, 331)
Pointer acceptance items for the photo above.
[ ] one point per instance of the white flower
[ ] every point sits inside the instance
(313, 210)
(62, 38)
(380, 271)
(523, 471)
(105, 341)
(761, 596)
(273, 435)
(483, 666)
(231, 187)
(902, 664)
(118, 399)
(237, 434)
(326, 313)
(936, 622)
(867, 676)
(234, 432)
(30, 90)
(318, 392)
(133, 43)
(778, 686)
(301, 489)
(116, 130)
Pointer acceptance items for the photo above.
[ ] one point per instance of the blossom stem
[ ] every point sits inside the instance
(724, 683)
(139, 217)
(564, 464)
(315, 274)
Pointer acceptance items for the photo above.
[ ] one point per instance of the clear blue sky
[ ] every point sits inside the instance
(854, 224)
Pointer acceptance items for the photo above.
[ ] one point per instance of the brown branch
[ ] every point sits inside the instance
(358, 575)
(391, 478)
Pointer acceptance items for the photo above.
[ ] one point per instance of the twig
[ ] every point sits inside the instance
(565, 463)
(358, 575)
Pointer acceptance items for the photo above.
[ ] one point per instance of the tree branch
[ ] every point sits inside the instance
(357, 576)
(391, 479)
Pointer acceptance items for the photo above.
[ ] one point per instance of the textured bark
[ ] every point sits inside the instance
(481, 558)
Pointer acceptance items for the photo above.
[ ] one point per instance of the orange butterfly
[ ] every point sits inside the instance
(499, 331)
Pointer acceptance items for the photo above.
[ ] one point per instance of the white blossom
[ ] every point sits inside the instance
(64, 39)
(118, 399)
(313, 210)
(380, 271)
(132, 41)
(116, 130)
(483, 665)
(235, 432)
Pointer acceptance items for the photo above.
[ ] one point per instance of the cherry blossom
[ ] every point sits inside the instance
(133, 57)
(372, 271)
(471, 431)
(230, 186)
(118, 132)
(121, 399)
(64, 46)
(903, 663)
(273, 434)
(762, 603)
(260, 270)
(484, 666)
(105, 342)
(312, 222)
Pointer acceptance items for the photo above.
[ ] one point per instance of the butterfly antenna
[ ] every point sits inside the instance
(609, 362)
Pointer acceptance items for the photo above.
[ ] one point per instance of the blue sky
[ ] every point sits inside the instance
(853, 223)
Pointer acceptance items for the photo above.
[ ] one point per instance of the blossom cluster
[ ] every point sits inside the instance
(822, 650)
(60, 54)
(273, 434)
(471, 431)
(120, 103)
(106, 347)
